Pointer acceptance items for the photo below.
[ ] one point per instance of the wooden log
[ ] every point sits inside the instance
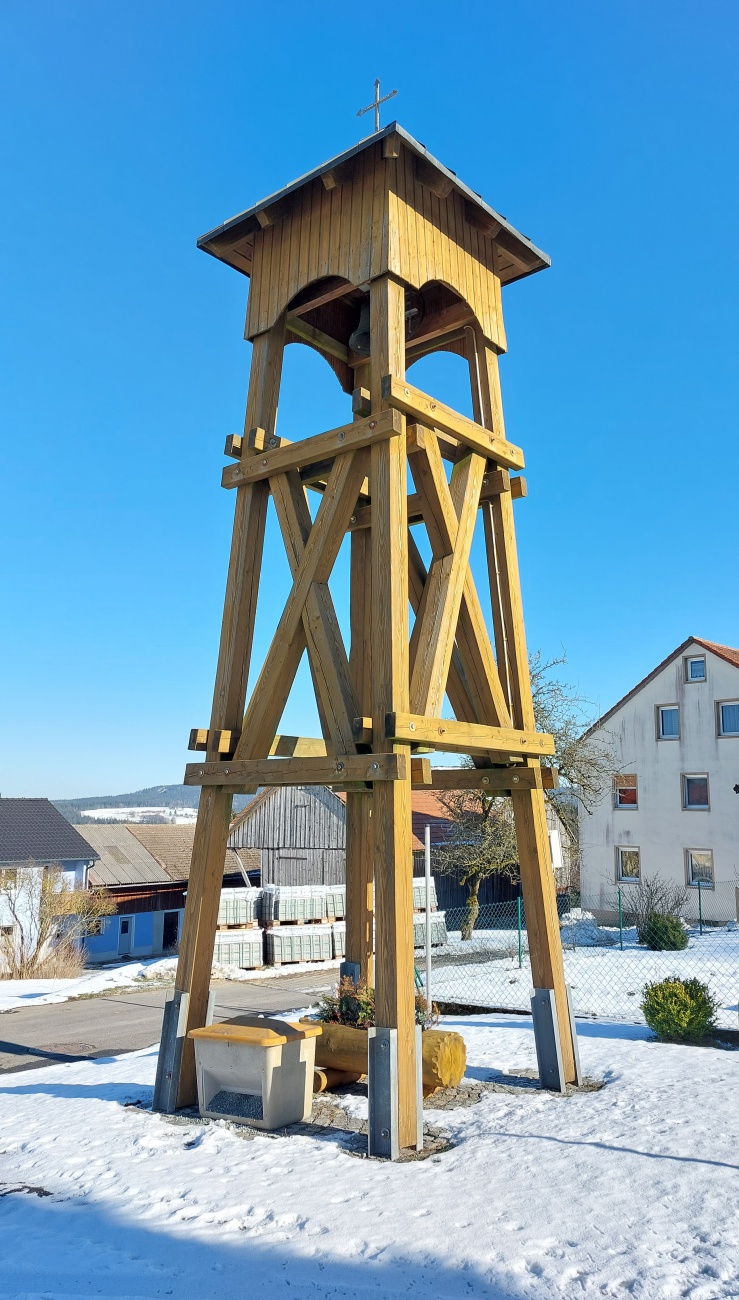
(494, 482)
(443, 1051)
(404, 397)
(309, 451)
(326, 1080)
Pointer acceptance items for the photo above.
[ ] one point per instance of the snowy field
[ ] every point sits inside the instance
(484, 971)
(628, 1191)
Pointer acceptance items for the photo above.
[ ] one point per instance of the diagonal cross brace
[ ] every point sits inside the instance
(440, 510)
(321, 548)
(322, 635)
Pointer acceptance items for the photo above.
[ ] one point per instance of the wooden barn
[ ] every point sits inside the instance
(300, 833)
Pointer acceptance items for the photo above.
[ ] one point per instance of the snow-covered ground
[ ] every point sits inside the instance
(28, 993)
(628, 1191)
(604, 980)
(180, 816)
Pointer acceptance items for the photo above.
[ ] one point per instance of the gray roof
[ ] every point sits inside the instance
(34, 830)
(123, 858)
(247, 221)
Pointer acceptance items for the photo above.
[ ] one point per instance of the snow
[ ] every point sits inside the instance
(180, 816)
(630, 1190)
(605, 981)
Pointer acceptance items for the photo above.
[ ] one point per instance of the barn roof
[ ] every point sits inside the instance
(241, 228)
(33, 829)
(172, 845)
(123, 858)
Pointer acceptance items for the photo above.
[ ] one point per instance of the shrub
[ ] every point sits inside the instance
(354, 1005)
(679, 1011)
(653, 896)
(664, 933)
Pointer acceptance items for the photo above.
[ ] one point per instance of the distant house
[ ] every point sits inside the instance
(673, 810)
(145, 869)
(34, 836)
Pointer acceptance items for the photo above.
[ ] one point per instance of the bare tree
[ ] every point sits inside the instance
(482, 839)
(482, 843)
(48, 914)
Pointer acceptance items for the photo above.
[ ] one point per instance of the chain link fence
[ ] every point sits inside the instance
(487, 965)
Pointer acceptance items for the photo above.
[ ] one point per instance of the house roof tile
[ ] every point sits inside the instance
(33, 829)
(172, 848)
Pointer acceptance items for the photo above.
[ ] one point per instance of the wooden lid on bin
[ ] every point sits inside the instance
(255, 1035)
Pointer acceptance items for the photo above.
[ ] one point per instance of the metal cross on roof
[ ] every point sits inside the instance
(376, 104)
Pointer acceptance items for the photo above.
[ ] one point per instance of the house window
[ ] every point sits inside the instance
(625, 792)
(668, 722)
(695, 668)
(695, 791)
(728, 718)
(699, 866)
(628, 864)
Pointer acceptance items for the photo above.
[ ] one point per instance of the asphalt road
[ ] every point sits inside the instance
(84, 1028)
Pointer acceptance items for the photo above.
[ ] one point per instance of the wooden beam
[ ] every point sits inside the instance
(529, 811)
(436, 623)
(465, 737)
(391, 812)
(495, 482)
(337, 176)
(361, 403)
(481, 220)
(234, 444)
(421, 771)
(234, 658)
(309, 451)
(437, 324)
(275, 680)
(434, 180)
(404, 397)
(498, 780)
(333, 287)
(311, 334)
(473, 642)
(220, 742)
(297, 747)
(337, 770)
(391, 146)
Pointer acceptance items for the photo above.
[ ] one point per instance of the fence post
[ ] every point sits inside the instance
(700, 908)
(427, 877)
(520, 947)
(621, 919)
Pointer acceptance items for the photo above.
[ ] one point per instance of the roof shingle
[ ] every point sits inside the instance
(34, 830)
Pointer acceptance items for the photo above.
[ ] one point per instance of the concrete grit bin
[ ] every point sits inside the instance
(256, 1070)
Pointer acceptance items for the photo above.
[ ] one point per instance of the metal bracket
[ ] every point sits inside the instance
(352, 969)
(383, 1093)
(170, 1052)
(419, 1089)
(547, 1039)
(573, 1031)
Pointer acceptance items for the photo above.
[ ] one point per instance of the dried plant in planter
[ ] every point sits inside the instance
(354, 1005)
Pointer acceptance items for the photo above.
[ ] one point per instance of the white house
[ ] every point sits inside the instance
(674, 807)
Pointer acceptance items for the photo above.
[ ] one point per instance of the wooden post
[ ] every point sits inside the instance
(359, 856)
(529, 809)
(393, 859)
(237, 630)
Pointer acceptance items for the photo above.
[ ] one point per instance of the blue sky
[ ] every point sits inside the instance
(605, 131)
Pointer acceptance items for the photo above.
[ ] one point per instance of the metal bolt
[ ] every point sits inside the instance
(485, 780)
(383, 1044)
(273, 442)
(339, 767)
(352, 519)
(226, 770)
(386, 1132)
(201, 772)
(407, 392)
(442, 730)
(342, 437)
(264, 462)
(372, 424)
(516, 780)
(374, 767)
(411, 726)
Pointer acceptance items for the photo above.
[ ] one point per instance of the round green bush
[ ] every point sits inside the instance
(665, 933)
(679, 1011)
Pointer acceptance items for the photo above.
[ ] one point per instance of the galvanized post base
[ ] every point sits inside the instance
(419, 1089)
(352, 969)
(573, 1031)
(383, 1093)
(547, 1039)
(170, 1053)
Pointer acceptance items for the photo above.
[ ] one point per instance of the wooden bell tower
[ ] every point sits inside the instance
(375, 259)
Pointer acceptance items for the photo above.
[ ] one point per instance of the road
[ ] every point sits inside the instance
(85, 1028)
